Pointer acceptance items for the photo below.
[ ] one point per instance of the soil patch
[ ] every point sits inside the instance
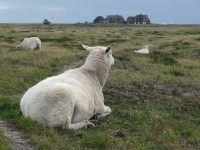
(19, 140)
(181, 91)
(137, 91)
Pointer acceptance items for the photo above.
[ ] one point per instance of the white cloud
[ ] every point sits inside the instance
(56, 9)
(50, 8)
(4, 7)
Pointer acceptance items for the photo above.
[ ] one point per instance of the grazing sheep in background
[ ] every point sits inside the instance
(73, 97)
(145, 50)
(30, 43)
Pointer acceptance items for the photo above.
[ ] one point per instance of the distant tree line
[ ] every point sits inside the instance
(138, 19)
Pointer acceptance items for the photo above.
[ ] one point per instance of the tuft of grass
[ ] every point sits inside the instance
(159, 57)
(99, 141)
(4, 142)
(175, 72)
(111, 41)
(197, 39)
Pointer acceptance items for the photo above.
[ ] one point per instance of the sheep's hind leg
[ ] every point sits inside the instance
(81, 124)
(78, 125)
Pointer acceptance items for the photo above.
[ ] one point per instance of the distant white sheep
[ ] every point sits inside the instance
(73, 97)
(145, 50)
(30, 43)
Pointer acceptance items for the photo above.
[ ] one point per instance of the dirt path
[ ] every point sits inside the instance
(19, 140)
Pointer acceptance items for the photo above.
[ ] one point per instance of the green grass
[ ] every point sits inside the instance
(166, 59)
(4, 142)
(148, 94)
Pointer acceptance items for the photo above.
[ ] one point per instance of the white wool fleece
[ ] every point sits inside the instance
(73, 97)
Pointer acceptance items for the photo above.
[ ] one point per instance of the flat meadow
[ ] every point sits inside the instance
(155, 98)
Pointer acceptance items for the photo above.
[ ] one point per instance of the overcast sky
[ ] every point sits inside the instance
(72, 11)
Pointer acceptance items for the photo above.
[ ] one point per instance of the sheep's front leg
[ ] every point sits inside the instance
(98, 116)
(107, 111)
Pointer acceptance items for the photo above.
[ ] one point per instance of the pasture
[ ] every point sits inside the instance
(155, 98)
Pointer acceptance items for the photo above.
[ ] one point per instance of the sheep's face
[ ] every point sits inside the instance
(103, 51)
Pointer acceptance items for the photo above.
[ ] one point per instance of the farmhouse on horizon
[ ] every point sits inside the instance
(138, 19)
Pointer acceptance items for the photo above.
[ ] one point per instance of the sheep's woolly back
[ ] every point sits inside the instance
(145, 50)
(30, 43)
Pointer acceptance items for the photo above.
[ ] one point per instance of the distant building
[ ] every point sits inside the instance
(115, 19)
(139, 19)
(99, 19)
(46, 21)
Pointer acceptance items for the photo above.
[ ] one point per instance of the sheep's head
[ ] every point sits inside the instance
(102, 51)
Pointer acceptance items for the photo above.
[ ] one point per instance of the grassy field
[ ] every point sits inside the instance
(155, 98)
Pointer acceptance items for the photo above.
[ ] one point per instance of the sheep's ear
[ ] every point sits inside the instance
(108, 49)
(87, 47)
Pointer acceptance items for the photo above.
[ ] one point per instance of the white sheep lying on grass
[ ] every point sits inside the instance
(73, 97)
(30, 43)
(144, 50)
